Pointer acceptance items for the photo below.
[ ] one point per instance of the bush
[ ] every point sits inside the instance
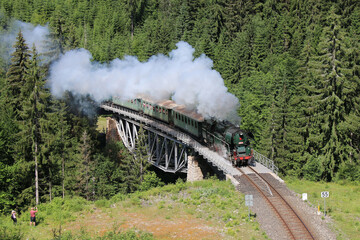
(102, 203)
(128, 235)
(118, 198)
(60, 209)
(75, 204)
(150, 181)
(10, 233)
(348, 171)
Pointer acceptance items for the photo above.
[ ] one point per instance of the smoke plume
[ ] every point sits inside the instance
(181, 77)
(32, 34)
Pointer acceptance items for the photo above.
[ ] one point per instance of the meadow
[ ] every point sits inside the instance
(342, 205)
(209, 209)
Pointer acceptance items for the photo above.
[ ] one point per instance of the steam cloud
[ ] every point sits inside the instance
(181, 77)
(32, 35)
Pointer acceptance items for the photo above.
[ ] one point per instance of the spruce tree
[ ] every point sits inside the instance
(85, 167)
(141, 157)
(34, 113)
(329, 98)
(16, 74)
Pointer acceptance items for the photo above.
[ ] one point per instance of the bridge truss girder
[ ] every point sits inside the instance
(164, 152)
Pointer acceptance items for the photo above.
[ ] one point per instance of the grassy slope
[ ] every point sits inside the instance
(343, 204)
(209, 209)
(101, 124)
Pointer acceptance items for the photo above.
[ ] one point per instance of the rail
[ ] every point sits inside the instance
(288, 216)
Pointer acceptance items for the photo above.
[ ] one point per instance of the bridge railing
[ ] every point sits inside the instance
(266, 162)
(213, 157)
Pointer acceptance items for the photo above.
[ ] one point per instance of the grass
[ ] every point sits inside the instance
(209, 209)
(343, 204)
(101, 124)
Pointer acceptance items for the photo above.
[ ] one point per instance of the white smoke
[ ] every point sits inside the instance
(32, 34)
(181, 77)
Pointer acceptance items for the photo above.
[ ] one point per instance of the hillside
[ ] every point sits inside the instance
(210, 209)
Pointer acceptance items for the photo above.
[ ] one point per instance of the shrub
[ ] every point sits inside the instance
(11, 233)
(313, 169)
(348, 171)
(118, 198)
(150, 181)
(132, 234)
(75, 204)
(102, 203)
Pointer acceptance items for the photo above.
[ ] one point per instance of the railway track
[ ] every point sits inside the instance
(293, 224)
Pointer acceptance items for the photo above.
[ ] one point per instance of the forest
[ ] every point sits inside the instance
(293, 65)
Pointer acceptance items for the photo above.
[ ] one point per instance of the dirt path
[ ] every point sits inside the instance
(162, 227)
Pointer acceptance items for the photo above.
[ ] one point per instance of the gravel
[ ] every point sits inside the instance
(269, 222)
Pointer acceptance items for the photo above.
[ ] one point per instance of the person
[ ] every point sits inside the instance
(32, 216)
(13, 216)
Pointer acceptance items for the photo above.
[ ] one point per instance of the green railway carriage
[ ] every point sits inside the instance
(133, 104)
(167, 111)
(156, 109)
(187, 120)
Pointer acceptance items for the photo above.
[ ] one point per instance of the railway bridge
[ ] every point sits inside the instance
(174, 151)
(170, 149)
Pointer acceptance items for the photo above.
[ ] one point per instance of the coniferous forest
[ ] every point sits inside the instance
(293, 65)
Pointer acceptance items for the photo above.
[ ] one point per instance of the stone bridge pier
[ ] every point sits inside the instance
(197, 168)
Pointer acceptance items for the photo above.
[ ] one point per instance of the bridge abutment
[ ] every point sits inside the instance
(197, 169)
(111, 131)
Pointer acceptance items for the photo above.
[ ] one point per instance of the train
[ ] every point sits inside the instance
(223, 137)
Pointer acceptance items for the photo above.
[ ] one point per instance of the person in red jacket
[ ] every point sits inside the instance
(32, 216)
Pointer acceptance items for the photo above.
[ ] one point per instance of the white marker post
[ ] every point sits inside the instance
(249, 202)
(324, 195)
(304, 196)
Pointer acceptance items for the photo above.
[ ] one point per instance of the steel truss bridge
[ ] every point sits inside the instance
(168, 148)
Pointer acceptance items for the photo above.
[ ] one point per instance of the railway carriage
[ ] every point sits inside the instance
(189, 121)
(222, 137)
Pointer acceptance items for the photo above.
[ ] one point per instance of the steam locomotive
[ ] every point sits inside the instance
(222, 137)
